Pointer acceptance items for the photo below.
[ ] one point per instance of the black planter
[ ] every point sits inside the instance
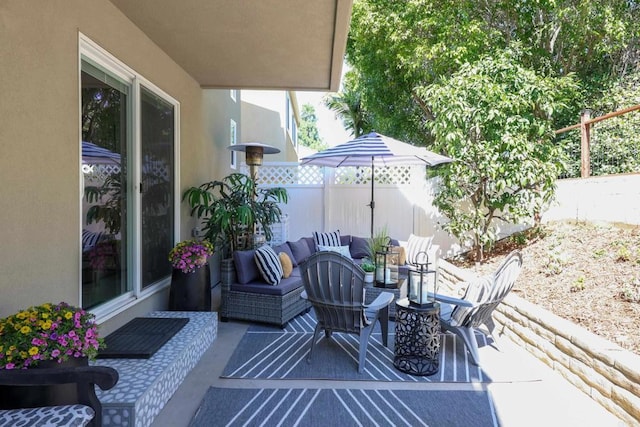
(190, 291)
(18, 396)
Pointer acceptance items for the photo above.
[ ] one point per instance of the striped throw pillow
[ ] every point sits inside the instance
(415, 245)
(326, 239)
(269, 264)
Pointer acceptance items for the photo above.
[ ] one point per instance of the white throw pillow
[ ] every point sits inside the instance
(342, 250)
(415, 246)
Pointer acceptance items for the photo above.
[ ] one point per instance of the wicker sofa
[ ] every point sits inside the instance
(246, 296)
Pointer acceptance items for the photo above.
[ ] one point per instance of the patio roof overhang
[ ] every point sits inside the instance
(266, 44)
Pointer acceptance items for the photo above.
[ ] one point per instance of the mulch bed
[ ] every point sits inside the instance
(584, 272)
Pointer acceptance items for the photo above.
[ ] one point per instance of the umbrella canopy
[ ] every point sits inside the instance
(374, 150)
(96, 155)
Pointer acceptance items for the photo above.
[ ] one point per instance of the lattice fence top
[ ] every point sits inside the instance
(285, 174)
(97, 174)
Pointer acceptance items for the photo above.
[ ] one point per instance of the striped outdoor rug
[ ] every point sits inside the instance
(344, 407)
(272, 353)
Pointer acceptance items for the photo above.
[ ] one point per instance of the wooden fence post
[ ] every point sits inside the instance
(585, 132)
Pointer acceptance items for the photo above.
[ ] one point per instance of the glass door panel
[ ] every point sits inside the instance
(105, 129)
(157, 123)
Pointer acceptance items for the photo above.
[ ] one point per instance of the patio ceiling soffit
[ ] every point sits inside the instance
(266, 44)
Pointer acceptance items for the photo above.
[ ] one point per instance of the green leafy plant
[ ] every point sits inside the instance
(494, 117)
(578, 285)
(623, 254)
(232, 209)
(631, 291)
(55, 332)
(377, 243)
(367, 265)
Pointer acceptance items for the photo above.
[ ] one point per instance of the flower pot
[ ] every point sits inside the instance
(368, 276)
(14, 397)
(190, 291)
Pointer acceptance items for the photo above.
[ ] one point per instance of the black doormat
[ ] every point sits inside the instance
(141, 337)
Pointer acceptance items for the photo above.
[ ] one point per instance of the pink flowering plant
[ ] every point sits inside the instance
(190, 255)
(55, 332)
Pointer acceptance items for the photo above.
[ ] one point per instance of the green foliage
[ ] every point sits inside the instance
(347, 104)
(367, 265)
(395, 46)
(232, 208)
(578, 285)
(631, 291)
(623, 254)
(494, 118)
(615, 142)
(308, 131)
(378, 242)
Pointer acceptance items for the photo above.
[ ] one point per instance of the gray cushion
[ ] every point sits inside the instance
(64, 415)
(268, 264)
(300, 250)
(345, 240)
(358, 247)
(284, 287)
(246, 268)
(287, 250)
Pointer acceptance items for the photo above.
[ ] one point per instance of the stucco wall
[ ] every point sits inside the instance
(39, 138)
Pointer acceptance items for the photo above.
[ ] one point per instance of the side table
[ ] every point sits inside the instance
(417, 342)
(399, 292)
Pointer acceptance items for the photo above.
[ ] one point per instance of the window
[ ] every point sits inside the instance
(129, 141)
(234, 94)
(232, 141)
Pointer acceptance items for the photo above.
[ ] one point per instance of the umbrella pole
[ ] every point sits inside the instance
(373, 203)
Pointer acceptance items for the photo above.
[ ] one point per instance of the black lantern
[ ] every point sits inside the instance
(422, 282)
(387, 268)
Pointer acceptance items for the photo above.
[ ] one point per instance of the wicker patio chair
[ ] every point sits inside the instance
(464, 316)
(334, 285)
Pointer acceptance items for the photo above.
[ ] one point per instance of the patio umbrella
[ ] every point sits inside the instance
(374, 150)
(96, 155)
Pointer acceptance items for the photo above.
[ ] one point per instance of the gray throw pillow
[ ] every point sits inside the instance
(246, 268)
(300, 250)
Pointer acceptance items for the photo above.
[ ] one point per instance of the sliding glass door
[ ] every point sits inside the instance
(128, 130)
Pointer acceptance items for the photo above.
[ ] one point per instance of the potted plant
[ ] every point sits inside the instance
(191, 278)
(233, 208)
(368, 267)
(53, 333)
(377, 243)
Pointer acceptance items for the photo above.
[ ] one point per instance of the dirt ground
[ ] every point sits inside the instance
(587, 273)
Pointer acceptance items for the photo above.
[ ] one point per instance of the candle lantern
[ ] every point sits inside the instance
(422, 282)
(387, 268)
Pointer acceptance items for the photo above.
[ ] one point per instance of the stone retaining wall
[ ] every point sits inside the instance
(603, 370)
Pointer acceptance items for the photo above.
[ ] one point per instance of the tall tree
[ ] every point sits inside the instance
(494, 117)
(308, 134)
(396, 46)
(347, 104)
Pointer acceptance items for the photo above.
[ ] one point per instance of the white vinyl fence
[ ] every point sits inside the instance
(327, 199)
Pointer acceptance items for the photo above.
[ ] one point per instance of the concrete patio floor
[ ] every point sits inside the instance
(549, 401)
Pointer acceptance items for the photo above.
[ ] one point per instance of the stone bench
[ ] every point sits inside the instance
(146, 385)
